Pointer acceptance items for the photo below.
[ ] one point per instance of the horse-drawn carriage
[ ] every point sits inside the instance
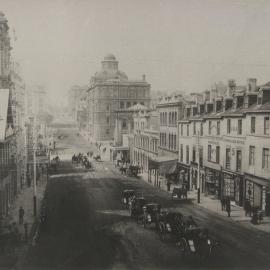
(127, 196)
(179, 193)
(136, 207)
(97, 158)
(170, 224)
(196, 241)
(133, 170)
(151, 212)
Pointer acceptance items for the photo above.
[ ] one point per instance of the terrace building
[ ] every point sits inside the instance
(224, 144)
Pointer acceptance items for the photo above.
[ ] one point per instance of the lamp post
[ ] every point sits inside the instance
(198, 173)
(33, 121)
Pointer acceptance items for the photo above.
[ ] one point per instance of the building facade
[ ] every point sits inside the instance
(110, 92)
(224, 142)
(145, 138)
(171, 110)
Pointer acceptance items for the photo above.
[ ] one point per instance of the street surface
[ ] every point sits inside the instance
(88, 228)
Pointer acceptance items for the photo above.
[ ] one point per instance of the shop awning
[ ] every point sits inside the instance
(163, 165)
(258, 180)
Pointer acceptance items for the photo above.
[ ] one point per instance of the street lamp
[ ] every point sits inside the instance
(198, 173)
(33, 122)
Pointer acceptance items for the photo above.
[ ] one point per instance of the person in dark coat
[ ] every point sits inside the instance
(223, 203)
(228, 206)
(21, 215)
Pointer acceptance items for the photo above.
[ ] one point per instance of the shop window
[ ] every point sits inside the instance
(253, 125)
(228, 126)
(266, 125)
(238, 160)
(228, 158)
(251, 155)
(239, 129)
(265, 158)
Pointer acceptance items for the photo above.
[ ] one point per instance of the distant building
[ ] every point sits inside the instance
(36, 99)
(77, 103)
(110, 92)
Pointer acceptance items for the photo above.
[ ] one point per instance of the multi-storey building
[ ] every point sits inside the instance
(171, 110)
(110, 92)
(219, 150)
(8, 143)
(145, 137)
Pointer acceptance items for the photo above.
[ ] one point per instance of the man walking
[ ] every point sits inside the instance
(21, 215)
(228, 206)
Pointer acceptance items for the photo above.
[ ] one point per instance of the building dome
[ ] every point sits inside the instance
(109, 57)
(2, 17)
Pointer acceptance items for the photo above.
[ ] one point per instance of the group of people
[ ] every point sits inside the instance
(83, 159)
(55, 163)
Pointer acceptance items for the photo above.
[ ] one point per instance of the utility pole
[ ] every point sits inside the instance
(198, 170)
(35, 167)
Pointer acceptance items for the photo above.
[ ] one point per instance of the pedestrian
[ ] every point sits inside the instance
(223, 203)
(168, 185)
(228, 206)
(247, 208)
(21, 215)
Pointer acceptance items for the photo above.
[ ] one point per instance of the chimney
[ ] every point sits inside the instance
(206, 95)
(251, 85)
(231, 87)
(213, 94)
(143, 77)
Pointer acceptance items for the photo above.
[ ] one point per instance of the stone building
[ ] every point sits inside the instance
(145, 137)
(110, 92)
(226, 138)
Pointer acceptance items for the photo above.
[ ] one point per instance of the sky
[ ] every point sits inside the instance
(184, 45)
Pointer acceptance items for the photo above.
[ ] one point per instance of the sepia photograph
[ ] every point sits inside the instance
(134, 134)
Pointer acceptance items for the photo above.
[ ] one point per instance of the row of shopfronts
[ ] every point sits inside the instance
(223, 183)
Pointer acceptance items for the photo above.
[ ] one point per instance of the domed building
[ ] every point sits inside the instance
(112, 93)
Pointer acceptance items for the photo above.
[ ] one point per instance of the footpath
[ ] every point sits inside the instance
(212, 204)
(14, 251)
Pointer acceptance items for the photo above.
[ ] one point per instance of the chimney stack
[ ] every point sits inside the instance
(231, 87)
(251, 85)
(143, 77)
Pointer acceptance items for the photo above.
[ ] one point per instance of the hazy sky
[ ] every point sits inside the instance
(179, 44)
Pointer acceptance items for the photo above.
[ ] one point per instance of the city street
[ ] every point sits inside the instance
(88, 228)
